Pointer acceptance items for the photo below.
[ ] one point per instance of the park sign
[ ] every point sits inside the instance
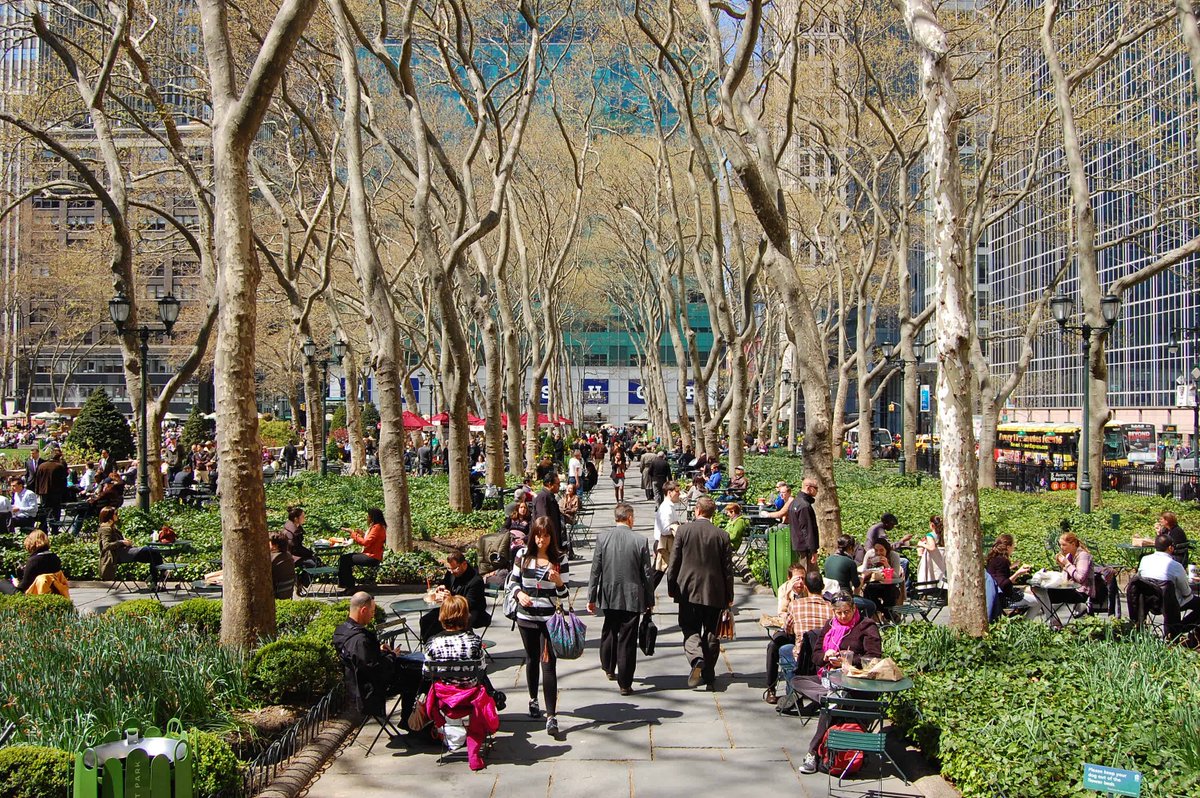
(1113, 781)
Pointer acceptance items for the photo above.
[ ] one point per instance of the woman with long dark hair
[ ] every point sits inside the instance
(535, 583)
(372, 548)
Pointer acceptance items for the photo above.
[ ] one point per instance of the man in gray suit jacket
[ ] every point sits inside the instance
(700, 579)
(621, 586)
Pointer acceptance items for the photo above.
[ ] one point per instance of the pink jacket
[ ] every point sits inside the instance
(448, 701)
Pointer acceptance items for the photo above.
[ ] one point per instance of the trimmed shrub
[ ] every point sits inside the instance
(196, 429)
(201, 614)
(296, 670)
(30, 607)
(216, 771)
(101, 426)
(274, 433)
(31, 771)
(139, 608)
(292, 616)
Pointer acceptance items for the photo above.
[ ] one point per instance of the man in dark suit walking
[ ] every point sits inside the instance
(700, 579)
(621, 586)
(660, 474)
(546, 503)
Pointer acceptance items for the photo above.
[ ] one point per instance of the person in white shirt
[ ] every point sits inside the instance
(575, 470)
(669, 513)
(1161, 566)
(87, 482)
(24, 504)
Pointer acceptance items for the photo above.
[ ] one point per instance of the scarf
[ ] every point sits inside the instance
(838, 631)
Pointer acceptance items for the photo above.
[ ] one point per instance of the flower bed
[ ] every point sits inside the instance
(66, 680)
(1022, 709)
(331, 502)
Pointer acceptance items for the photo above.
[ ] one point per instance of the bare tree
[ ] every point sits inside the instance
(248, 609)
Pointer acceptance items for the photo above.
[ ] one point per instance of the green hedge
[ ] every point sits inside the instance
(1023, 708)
(294, 670)
(27, 608)
(30, 771)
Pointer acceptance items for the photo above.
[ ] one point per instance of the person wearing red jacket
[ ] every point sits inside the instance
(372, 553)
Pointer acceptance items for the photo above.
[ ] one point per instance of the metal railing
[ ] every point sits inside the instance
(264, 768)
(1131, 479)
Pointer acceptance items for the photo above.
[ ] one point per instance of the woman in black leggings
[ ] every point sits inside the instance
(535, 582)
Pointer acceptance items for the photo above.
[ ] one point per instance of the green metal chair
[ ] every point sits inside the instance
(867, 743)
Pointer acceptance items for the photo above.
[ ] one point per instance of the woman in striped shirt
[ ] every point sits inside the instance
(535, 582)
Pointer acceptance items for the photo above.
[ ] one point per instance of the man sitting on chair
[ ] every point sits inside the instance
(374, 670)
(460, 580)
(1161, 566)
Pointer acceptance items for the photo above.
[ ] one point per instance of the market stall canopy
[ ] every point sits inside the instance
(413, 421)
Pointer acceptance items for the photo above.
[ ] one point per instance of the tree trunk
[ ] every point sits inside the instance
(248, 602)
(314, 412)
(382, 334)
(955, 328)
(358, 449)
(493, 401)
(514, 372)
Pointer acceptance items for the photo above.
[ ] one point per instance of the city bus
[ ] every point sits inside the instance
(1141, 440)
(1057, 446)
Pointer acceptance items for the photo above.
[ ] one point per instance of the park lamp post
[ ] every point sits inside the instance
(1062, 306)
(1191, 336)
(119, 308)
(893, 354)
(337, 351)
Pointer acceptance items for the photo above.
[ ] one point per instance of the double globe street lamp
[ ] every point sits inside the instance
(893, 354)
(337, 351)
(1062, 307)
(119, 308)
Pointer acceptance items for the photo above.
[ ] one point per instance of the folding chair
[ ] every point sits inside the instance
(1147, 598)
(930, 597)
(321, 580)
(868, 714)
(370, 705)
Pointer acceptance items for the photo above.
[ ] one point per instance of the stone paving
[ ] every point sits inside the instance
(665, 739)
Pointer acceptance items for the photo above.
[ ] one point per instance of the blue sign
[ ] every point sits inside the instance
(637, 393)
(416, 389)
(1112, 780)
(595, 391)
(924, 398)
(545, 390)
(691, 391)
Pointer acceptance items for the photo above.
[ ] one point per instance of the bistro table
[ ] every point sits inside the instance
(1131, 555)
(840, 681)
(405, 607)
(1053, 599)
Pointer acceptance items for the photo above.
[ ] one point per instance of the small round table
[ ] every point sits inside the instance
(1132, 555)
(840, 681)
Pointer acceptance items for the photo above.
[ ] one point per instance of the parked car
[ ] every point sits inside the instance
(1186, 465)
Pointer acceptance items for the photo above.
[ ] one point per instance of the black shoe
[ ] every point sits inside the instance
(697, 675)
(626, 691)
(534, 710)
(612, 677)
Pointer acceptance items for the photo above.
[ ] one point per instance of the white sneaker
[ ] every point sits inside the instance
(810, 764)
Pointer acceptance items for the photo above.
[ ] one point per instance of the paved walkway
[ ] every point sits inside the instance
(663, 740)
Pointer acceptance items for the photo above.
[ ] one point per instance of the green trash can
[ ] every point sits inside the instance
(779, 555)
(136, 764)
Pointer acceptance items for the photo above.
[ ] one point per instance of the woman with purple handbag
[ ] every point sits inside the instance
(536, 587)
